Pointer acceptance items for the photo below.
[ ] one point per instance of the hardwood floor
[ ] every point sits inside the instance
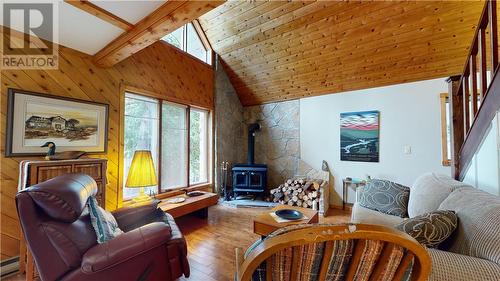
(211, 242)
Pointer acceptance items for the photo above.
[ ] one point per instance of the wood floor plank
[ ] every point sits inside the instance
(211, 242)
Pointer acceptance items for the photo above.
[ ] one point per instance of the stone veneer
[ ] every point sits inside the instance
(277, 144)
(230, 145)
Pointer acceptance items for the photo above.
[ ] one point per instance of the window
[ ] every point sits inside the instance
(140, 133)
(198, 152)
(178, 137)
(188, 39)
(174, 146)
(445, 130)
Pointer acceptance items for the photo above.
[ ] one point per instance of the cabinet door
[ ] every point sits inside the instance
(94, 170)
(46, 173)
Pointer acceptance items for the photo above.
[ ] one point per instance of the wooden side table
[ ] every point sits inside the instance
(264, 224)
(349, 183)
(198, 204)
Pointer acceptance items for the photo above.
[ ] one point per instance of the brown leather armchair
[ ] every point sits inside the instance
(64, 244)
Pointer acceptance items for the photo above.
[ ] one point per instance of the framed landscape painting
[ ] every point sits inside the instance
(359, 136)
(34, 119)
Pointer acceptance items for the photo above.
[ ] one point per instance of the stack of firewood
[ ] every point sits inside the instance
(298, 192)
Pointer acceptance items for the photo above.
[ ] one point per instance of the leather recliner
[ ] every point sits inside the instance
(64, 245)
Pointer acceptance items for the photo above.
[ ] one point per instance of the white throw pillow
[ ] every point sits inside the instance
(428, 191)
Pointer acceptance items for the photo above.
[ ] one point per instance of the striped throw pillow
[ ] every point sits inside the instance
(103, 222)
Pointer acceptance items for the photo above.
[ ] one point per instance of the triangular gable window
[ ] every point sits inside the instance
(187, 39)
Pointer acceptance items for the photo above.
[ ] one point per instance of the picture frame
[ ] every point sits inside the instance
(72, 124)
(360, 136)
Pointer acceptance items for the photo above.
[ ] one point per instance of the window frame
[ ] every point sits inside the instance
(444, 105)
(209, 54)
(208, 144)
(188, 107)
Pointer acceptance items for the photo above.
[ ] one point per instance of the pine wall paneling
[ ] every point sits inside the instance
(160, 68)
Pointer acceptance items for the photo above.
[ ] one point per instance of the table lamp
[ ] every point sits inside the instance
(141, 174)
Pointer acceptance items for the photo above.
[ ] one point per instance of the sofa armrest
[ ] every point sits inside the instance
(130, 216)
(125, 247)
(448, 266)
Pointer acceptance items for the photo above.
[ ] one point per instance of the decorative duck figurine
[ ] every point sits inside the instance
(65, 155)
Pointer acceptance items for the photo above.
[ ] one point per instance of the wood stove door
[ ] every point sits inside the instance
(240, 180)
(256, 180)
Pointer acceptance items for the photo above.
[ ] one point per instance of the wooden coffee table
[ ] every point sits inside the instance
(264, 224)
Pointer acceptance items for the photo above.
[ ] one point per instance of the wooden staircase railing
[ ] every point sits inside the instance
(474, 100)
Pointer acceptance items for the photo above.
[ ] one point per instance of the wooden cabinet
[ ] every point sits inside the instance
(40, 171)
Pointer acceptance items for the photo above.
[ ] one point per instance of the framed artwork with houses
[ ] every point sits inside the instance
(34, 119)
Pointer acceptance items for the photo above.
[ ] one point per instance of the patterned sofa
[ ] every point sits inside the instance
(473, 250)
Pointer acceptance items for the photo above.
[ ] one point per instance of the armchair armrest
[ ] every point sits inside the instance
(125, 247)
(129, 217)
(239, 260)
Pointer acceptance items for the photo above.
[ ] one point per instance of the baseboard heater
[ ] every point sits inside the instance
(9, 266)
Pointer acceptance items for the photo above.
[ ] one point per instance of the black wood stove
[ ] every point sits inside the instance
(250, 178)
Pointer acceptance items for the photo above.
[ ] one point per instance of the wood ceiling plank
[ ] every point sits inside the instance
(275, 83)
(165, 19)
(99, 12)
(290, 51)
(236, 12)
(252, 18)
(272, 76)
(305, 16)
(222, 10)
(374, 50)
(347, 31)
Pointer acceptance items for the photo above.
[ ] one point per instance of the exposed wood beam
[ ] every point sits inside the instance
(165, 19)
(202, 35)
(99, 12)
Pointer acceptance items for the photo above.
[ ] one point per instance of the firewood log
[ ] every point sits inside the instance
(286, 198)
(295, 198)
(309, 203)
(301, 196)
(278, 195)
(307, 185)
(317, 184)
(313, 194)
(295, 193)
(299, 189)
(289, 182)
(290, 203)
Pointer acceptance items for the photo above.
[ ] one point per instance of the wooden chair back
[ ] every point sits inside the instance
(335, 252)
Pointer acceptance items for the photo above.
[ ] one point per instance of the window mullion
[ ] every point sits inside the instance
(188, 123)
(185, 38)
(160, 144)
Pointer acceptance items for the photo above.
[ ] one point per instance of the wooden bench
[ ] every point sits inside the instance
(198, 205)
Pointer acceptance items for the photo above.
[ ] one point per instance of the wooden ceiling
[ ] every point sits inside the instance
(279, 50)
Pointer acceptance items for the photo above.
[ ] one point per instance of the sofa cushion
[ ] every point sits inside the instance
(428, 191)
(448, 266)
(384, 196)
(361, 214)
(430, 229)
(478, 230)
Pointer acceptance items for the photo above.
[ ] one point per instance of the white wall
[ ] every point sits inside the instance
(484, 172)
(409, 115)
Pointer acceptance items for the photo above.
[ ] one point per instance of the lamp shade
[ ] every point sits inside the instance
(142, 171)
